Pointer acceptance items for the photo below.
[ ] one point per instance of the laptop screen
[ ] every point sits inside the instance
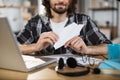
(10, 54)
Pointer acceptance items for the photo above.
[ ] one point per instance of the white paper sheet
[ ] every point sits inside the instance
(67, 33)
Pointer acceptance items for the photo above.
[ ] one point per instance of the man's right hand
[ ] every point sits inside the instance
(46, 39)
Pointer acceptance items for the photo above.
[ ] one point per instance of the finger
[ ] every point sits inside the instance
(43, 44)
(52, 40)
(49, 41)
(49, 35)
(68, 43)
(74, 41)
(54, 35)
(77, 45)
(46, 41)
(71, 41)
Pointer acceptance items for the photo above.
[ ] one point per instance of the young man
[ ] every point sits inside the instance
(39, 33)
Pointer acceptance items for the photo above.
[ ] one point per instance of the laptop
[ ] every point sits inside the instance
(10, 54)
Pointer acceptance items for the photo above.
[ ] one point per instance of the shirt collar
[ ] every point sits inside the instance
(46, 20)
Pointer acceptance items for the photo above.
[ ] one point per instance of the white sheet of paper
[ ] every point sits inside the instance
(67, 33)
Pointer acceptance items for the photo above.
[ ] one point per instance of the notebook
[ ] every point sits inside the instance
(10, 54)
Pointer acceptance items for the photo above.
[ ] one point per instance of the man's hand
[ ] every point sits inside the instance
(77, 44)
(46, 39)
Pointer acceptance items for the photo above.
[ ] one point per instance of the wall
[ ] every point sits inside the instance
(13, 14)
(119, 21)
(14, 18)
(41, 7)
(102, 16)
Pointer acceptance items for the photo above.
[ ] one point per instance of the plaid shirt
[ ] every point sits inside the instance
(39, 24)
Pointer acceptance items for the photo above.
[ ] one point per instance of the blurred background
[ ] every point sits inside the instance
(106, 13)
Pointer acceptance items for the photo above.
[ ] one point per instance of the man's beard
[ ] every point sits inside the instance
(59, 11)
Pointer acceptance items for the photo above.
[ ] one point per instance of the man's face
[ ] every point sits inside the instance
(59, 6)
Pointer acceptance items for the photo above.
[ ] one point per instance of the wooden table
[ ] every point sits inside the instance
(48, 73)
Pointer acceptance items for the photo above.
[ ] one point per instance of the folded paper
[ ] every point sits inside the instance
(67, 33)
